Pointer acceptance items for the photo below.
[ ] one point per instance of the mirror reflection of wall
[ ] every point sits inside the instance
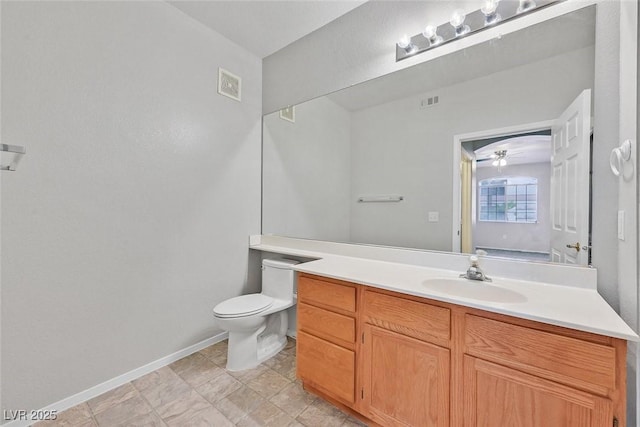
(385, 138)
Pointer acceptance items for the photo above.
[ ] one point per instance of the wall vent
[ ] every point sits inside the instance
(429, 102)
(229, 84)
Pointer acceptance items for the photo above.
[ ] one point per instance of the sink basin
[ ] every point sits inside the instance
(483, 291)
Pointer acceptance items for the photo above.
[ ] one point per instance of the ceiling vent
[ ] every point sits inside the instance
(429, 102)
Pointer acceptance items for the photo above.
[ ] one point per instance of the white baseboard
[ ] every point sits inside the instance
(104, 387)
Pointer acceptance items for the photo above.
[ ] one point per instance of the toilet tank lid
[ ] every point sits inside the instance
(280, 263)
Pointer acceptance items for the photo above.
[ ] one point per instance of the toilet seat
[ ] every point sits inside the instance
(244, 305)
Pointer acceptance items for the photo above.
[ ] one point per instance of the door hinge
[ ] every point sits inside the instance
(363, 338)
(362, 395)
(615, 422)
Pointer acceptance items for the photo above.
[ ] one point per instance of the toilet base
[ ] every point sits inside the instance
(270, 346)
(248, 349)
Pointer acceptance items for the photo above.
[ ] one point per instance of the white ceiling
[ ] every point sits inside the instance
(520, 150)
(264, 27)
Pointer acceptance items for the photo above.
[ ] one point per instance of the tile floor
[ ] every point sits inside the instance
(198, 391)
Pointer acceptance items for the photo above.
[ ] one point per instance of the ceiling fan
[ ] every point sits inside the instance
(498, 158)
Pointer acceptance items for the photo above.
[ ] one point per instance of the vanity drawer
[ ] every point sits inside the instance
(325, 293)
(581, 364)
(415, 319)
(326, 324)
(326, 366)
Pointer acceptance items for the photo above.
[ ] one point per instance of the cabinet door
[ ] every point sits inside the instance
(498, 396)
(405, 381)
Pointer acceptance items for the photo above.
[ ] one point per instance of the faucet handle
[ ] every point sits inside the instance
(481, 252)
(474, 260)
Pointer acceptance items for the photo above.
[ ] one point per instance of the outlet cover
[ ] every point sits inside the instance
(434, 216)
(229, 84)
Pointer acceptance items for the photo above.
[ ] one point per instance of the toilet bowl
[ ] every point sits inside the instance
(257, 323)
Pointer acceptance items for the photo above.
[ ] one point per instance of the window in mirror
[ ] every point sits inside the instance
(508, 199)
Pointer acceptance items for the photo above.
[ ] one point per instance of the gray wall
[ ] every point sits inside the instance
(128, 219)
(512, 235)
(306, 172)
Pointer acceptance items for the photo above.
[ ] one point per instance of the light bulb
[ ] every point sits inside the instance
(458, 18)
(495, 162)
(431, 33)
(526, 5)
(489, 9)
(404, 42)
(503, 162)
(457, 22)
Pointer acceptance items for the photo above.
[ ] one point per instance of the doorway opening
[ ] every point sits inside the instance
(507, 208)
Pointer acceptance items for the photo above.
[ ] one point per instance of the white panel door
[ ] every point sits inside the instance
(571, 134)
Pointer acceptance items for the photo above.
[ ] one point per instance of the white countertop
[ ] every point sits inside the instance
(566, 306)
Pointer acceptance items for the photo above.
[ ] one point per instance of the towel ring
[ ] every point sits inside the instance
(618, 156)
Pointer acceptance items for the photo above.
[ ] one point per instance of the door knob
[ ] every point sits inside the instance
(575, 246)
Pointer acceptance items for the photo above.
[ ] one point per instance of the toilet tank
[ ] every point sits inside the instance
(278, 279)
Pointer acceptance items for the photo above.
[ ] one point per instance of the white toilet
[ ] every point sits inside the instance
(257, 323)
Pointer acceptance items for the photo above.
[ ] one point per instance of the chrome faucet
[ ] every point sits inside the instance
(475, 272)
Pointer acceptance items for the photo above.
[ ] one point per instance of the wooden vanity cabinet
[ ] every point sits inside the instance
(405, 361)
(524, 373)
(400, 360)
(326, 337)
(495, 395)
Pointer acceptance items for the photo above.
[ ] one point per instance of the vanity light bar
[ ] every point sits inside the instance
(18, 152)
(492, 13)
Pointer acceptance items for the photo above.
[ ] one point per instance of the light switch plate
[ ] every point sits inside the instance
(434, 216)
(620, 225)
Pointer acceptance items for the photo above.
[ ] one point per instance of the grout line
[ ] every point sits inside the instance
(153, 409)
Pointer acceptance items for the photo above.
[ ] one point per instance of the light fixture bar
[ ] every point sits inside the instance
(17, 150)
(477, 21)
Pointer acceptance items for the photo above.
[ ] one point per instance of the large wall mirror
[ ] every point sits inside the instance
(487, 148)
